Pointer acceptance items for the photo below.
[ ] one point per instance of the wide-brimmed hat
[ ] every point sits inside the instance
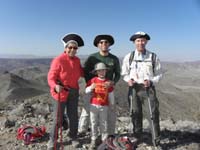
(98, 38)
(139, 34)
(100, 66)
(72, 38)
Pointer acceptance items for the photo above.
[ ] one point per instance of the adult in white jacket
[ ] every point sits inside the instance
(141, 69)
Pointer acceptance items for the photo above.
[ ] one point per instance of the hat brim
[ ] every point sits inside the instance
(94, 71)
(74, 37)
(98, 38)
(134, 37)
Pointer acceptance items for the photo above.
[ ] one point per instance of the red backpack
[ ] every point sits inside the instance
(29, 133)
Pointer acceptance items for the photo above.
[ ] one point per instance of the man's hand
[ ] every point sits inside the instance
(58, 88)
(131, 82)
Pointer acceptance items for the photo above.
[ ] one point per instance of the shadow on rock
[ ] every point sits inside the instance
(175, 139)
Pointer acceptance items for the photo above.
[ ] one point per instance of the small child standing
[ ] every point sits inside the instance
(102, 96)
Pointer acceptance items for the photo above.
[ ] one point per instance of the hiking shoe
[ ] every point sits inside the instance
(158, 148)
(137, 138)
(75, 143)
(82, 134)
(65, 123)
(93, 145)
(50, 145)
(67, 139)
(157, 141)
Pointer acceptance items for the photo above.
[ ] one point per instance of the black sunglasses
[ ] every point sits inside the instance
(72, 47)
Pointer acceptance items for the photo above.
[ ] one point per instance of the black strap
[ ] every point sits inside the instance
(131, 57)
(153, 59)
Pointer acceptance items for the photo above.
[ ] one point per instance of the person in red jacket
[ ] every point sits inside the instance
(63, 76)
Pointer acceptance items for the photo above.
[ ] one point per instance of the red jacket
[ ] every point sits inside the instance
(67, 70)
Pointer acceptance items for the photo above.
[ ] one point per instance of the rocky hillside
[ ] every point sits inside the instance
(14, 88)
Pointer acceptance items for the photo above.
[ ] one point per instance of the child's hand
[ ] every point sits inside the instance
(93, 85)
(109, 84)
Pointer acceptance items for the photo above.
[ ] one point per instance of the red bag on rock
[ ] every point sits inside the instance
(29, 133)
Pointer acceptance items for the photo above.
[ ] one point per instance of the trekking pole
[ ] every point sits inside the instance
(131, 108)
(151, 117)
(130, 114)
(61, 122)
(56, 131)
(58, 124)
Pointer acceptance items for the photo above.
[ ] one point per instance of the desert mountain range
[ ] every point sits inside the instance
(178, 92)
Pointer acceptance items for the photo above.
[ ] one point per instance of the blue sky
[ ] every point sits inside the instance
(35, 27)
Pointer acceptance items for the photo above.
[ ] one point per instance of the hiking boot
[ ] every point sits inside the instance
(65, 122)
(93, 145)
(50, 145)
(67, 139)
(82, 134)
(158, 148)
(75, 143)
(138, 138)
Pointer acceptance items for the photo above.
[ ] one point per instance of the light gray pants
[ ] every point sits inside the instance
(112, 116)
(84, 119)
(98, 118)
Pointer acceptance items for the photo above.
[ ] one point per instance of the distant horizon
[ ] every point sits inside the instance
(31, 56)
